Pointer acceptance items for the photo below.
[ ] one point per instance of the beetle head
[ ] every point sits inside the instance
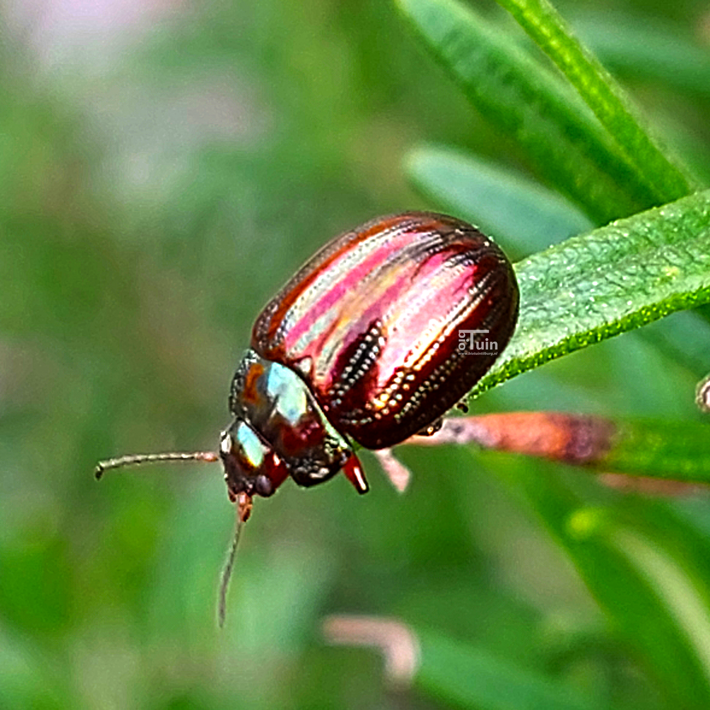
(250, 465)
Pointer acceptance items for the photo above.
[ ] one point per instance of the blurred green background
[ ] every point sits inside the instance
(165, 167)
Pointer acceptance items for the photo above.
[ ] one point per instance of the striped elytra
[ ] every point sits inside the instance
(381, 323)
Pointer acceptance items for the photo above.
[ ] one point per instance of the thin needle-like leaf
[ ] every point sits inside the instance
(602, 94)
(557, 132)
(468, 677)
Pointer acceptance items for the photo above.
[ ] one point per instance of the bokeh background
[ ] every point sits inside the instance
(165, 166)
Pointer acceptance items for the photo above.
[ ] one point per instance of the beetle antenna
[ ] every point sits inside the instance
(243, 513)
(139, 459)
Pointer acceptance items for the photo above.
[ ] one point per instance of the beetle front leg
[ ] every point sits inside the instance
(354, 473)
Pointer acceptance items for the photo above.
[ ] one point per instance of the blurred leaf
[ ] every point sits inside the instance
(28, 679)
(521, 213)
(602, 94)
(558, 134)
(648, 570)
(682, 591)
(609, 281)
(467, 677)
(35, 592)
(683, 338)
(686, 142)
(644, 48)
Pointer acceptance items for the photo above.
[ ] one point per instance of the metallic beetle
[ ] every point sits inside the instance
(373, 340)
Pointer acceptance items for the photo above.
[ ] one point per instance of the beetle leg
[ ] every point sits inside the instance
(276, 470)
(244, 507)
(394, 469)
(354, 473)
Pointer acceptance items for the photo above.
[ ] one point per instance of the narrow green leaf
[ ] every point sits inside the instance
(644, 49)
(602, 94)
(609, 281)
(559, 135)
(687, 602)
(658, 603)
(520, 213)
(466, 677)
(669, 449)
(675, 450)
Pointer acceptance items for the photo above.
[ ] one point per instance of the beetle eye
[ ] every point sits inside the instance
(263, 486)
